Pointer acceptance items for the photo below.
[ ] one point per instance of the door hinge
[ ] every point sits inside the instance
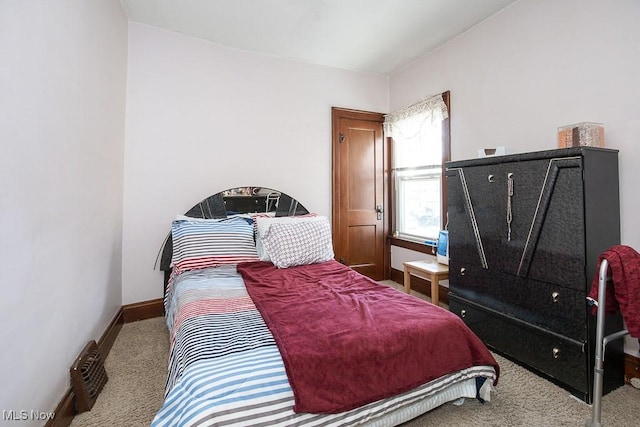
(341, 137)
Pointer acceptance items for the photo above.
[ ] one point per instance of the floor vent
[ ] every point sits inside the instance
(88, 376)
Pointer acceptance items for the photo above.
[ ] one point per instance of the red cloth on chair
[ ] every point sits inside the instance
(623, 293)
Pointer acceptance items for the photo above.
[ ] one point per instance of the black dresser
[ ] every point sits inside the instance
(525, 232)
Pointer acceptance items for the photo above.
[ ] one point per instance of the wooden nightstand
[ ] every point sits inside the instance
(432, 271)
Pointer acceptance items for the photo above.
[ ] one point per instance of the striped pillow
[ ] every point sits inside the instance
(204, 244)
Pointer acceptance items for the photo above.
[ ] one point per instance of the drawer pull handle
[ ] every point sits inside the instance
(490, 178)
(554, 296)
(556, 353)
(463, 313)
(462, 271)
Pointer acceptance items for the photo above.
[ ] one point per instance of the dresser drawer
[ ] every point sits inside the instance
(556, 356)
(549, 306)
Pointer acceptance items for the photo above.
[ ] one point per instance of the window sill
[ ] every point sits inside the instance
(414, 246)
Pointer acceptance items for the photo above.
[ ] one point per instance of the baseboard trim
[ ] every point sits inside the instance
(110, 334)
(631, 367)
(143, 310)
(421, 285)
(66, 410)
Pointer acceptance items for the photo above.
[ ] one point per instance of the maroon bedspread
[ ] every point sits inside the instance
(346, 340)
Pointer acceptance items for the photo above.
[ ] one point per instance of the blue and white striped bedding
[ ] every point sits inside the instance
(225, 368)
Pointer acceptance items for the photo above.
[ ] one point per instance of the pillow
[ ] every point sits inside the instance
(246, 217)
(299, 243)
(191, 218)
(204, 244)
(263, 222)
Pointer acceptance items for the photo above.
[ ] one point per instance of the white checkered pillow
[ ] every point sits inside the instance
(262, 222)
(299, 243)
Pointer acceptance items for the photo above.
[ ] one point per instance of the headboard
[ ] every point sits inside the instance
(239, 200)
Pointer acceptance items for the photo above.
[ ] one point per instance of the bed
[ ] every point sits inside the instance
(266, 329)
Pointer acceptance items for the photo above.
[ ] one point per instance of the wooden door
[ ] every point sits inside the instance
(359, 192)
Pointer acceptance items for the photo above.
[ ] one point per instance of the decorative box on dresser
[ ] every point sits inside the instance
(525, 232)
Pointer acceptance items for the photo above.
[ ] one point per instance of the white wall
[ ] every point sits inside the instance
(62, 86)
(535, 66)
(202, 118)
(513, 80)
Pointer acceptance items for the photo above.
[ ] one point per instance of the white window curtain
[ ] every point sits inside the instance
(412, 129)
(408, 121)
(417, 167)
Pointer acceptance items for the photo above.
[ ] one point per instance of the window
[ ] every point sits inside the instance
(420, 146)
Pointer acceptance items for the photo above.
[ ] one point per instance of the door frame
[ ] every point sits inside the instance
(338, 113)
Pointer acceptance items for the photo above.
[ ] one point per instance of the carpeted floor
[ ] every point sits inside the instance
(137, 369)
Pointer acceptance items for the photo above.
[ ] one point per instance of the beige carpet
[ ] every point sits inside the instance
(137, 363)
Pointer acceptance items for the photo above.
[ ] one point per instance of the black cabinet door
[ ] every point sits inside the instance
(520, 218)
(491, 209)
(555, 249)
(466, 245)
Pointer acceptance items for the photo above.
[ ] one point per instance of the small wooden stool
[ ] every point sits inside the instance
(433, 271)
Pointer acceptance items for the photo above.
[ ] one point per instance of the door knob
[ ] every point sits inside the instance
(379, 210)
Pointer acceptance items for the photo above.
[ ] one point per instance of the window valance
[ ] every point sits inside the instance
(425, 111)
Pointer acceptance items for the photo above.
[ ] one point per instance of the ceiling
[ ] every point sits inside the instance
(372, 36)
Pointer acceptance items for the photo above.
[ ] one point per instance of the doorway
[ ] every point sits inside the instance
(359, 192)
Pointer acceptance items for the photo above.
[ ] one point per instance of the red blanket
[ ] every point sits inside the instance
(623, 294)
(347, 341)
